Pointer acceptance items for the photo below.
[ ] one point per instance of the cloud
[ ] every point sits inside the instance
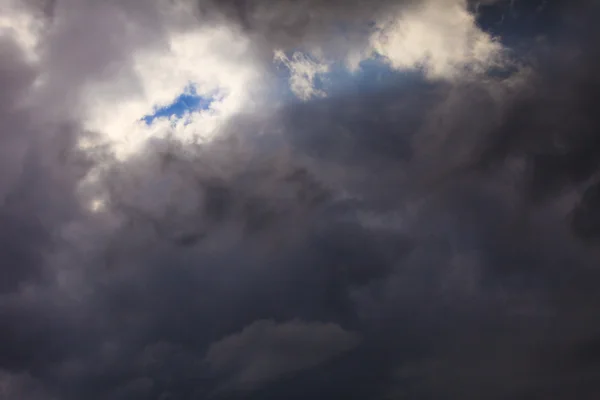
(431, 234)
(144, 57)
(22, 26)
(264, 350)
(21, 386)
(442, 37)
(303, 72)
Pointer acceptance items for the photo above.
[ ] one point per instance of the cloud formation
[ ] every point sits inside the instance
(263, 351)
(419, 220)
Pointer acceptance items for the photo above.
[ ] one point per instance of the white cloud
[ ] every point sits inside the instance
(440, 36)
(217, 62)
(107, 65)
(303, 73)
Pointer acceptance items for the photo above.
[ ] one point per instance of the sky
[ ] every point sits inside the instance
(302, 199)
(187, 102)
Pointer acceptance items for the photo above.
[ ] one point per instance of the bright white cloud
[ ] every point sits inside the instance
(108, 68)
(215, 61)
(439, 36)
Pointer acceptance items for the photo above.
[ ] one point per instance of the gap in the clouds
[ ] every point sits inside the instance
(188, 101)
(373, 74)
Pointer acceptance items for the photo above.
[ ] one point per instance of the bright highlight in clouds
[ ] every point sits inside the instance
(195, 61)
(439, 36)
(221, 63)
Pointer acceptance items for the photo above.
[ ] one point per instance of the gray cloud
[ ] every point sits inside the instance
(432, 220)
(265, 350)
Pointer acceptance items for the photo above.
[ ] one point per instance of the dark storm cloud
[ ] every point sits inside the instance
(40, 170)
(297, 18)
(291, 22)
(31, 203)
(430, 220)
(264, 350)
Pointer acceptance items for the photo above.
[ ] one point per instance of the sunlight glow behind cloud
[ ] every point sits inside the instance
(219, 63)
(193, 61)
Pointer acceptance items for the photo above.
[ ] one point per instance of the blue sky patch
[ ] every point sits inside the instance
(188, 101)
(373, 73)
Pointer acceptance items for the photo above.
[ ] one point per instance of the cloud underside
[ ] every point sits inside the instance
(429, 230)
(263, 351)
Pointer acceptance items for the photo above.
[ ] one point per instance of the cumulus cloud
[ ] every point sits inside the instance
(442, 37)
(424, 224)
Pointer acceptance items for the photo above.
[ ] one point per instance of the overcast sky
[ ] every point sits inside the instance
(299, 199)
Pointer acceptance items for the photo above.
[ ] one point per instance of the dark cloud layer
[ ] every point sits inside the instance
(422, 240)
